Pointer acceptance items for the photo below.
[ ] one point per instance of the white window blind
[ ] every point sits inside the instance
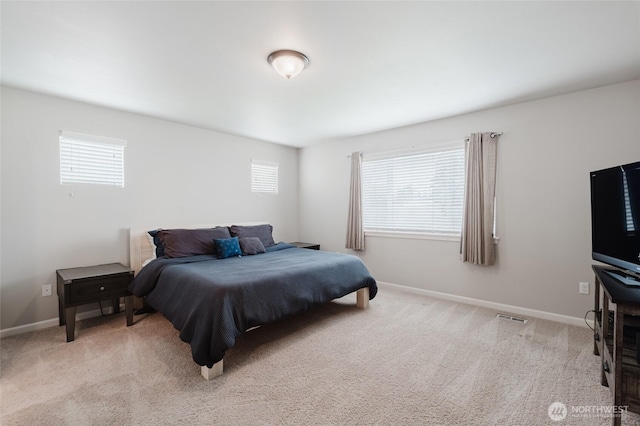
(89, 159)
(416, 191)
(264, 177)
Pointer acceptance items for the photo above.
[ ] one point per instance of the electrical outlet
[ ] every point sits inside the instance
(46, 290)
(584, 288)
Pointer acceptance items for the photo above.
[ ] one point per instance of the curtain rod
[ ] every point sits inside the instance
(493, 135)
(440, 144)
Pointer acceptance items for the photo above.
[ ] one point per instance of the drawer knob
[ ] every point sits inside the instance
(101, 288)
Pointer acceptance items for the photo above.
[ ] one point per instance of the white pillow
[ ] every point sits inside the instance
(153, 247)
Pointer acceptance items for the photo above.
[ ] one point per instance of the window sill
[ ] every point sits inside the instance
(412, 236)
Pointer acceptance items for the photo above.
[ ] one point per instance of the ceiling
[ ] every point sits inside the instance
(374, 65)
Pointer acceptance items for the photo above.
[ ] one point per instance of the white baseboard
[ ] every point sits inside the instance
(499, 307)
(451, 297)
(54, 322)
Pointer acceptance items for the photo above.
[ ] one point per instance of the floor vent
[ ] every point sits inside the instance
(510, 318)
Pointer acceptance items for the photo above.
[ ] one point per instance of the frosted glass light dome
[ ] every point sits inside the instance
(288, 63)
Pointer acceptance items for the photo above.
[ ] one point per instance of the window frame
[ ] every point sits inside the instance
(103, 162)
(452, 145)
(260, 170)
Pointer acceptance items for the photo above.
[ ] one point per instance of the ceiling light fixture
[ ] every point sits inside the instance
(288, 63)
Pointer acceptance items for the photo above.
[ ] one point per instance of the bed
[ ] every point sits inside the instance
(212, 297)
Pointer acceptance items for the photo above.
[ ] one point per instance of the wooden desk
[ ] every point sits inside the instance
(619, 369)
(79, 286)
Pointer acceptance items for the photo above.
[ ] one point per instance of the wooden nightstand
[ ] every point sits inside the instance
(79, 286)
(310, 246)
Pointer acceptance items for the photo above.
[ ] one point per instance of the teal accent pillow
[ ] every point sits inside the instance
(227, 247)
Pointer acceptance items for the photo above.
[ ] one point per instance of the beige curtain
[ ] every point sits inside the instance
(477, 244)
(355, 231)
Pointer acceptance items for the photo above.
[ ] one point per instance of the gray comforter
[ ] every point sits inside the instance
(212, 301)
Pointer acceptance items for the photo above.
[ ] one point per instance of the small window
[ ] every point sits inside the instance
(264, 177)
(418, 191)
(88, 159)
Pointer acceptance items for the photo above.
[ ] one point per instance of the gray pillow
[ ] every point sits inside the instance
(190, 242)
(251, 245)
(263, 232)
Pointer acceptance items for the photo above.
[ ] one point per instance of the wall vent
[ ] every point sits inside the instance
(512, 318)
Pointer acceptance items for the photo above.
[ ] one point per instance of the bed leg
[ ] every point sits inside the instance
(362, 298)
(213, 372)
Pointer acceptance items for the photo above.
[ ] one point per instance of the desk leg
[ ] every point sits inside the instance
(116, 305)
(596, 307)
(70, 314)
(61, 314)
(128, 307)
(617, 360)
(603, 342)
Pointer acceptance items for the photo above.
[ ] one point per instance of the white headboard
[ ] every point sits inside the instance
(141, 250)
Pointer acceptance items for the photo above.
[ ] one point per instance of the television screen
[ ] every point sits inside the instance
(615, 217)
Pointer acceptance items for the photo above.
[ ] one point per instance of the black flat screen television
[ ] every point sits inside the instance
(615, 220)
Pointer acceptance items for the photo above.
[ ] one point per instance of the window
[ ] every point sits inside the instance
(416, 191)
(264, 177)
(89, 159)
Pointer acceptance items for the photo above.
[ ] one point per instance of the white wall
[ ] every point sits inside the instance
(181, 174)
(174, 174)
(548, 148)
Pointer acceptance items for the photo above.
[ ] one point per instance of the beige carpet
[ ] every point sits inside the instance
(407, 360)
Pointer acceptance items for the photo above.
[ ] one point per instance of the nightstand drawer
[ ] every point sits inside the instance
(91, 288)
